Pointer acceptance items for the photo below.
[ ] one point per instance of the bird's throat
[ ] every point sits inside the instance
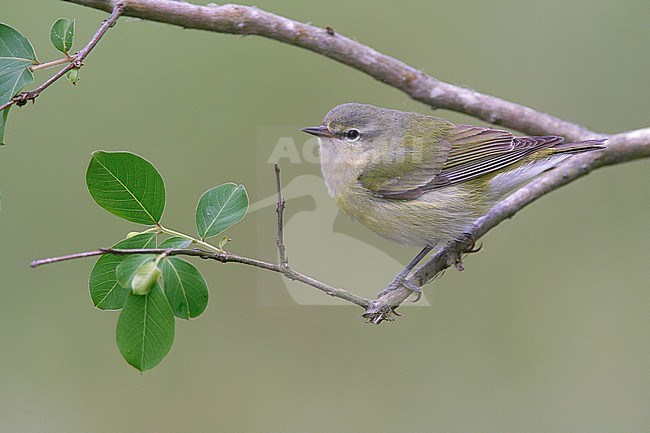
(340, 172)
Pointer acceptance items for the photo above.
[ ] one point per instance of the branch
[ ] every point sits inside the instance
(224, 257)
(279, 208)
(76, 62)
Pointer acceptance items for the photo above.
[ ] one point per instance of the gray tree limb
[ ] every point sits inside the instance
(250, 20)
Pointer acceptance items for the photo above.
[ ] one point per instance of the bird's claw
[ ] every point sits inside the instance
(471, 244)
(458, 263)
(474, 248)
(471, 248)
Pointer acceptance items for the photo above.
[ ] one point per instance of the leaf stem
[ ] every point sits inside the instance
(190, 238)
(160, 257)
(52, 63)
(154, 229)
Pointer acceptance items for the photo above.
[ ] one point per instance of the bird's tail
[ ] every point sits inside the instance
(506, 181)
(580, 146)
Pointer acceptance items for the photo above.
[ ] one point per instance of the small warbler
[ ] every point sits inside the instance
(420, 180)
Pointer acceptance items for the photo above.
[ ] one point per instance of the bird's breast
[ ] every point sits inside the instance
(435, 217)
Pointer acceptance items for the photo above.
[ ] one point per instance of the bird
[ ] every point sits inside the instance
(421, 180)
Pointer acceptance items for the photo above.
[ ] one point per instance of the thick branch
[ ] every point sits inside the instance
(224, 257)
(249, 20)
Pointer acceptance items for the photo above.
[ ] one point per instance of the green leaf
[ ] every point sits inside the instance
(145, 329)
(14, 75)
(185, 287)
(16, 56)
(105, 291)
(175, 242)
(126, 185)
(219, 208)
(14, 44)
(3, 119)
(61, 34)
(130, 266)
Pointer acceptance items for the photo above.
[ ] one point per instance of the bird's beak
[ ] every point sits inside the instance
(318, 131)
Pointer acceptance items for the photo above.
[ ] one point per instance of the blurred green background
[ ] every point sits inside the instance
(547, 329)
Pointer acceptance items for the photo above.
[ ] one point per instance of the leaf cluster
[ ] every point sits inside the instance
(151, 290)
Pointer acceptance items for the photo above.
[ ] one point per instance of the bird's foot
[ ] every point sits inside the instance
(470, 243)
(413, 287)
(458, 262)
(471, 248)
(402, 281)
(417, 290)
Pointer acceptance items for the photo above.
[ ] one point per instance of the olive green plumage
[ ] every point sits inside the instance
(421, 180)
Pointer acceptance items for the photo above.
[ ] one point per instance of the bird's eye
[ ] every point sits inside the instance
(352, 135)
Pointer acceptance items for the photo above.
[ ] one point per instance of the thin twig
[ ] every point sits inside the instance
(224, 257)
(279, 209)
(76, 63)
(49, 260)
(56, 62)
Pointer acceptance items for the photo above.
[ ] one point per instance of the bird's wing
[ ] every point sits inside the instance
(406, 165)
(472, 152)
(477, 151)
